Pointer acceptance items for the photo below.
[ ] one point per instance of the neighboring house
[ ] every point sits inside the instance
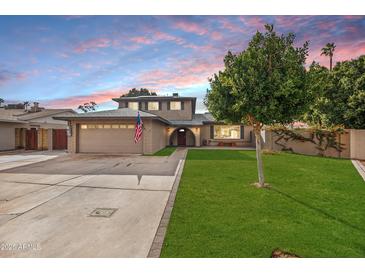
(167, 121)
(33, 129)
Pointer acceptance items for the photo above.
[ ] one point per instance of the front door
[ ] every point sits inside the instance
(181, 137)
(31, 139)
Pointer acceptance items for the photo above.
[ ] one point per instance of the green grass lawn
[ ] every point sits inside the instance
(167, 151)
(315, 207)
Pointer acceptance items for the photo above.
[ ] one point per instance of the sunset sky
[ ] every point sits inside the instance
(63, 61)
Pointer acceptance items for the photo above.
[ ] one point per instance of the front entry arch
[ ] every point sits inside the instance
(182, 137)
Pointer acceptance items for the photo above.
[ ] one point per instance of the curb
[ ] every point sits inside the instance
(156, 247)
(359, 167)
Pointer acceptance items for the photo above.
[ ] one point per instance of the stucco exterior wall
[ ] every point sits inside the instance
(158, 136)
(42, 139)
(357, 143)
(306, 148)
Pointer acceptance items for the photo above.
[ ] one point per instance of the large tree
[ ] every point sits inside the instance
(328, 50)
(339, 95)
(318, 84)
(139, 92)
(262, 85)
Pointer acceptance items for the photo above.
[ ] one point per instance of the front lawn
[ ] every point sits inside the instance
(167, 151)
(315, 207)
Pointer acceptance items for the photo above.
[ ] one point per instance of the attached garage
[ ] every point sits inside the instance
(108, 138)
(7, 133)
(7, 138)
(112, 132)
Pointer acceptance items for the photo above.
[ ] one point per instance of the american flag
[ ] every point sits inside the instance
(138, 130)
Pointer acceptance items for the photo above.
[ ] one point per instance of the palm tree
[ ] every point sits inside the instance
(328, 51)
(26, 105)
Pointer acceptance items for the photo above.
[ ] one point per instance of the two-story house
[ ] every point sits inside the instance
(167, 121)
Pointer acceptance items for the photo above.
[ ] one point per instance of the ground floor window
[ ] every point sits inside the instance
(227, 132)
(107, 126)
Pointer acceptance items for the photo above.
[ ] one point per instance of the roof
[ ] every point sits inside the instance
(11, 120)
(148, 97)
(198, 120)
(43, 113)
(6, 113)
(120, 113)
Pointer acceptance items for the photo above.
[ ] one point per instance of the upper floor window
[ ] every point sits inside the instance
(175, 105)
(153, 106)
(133, 105)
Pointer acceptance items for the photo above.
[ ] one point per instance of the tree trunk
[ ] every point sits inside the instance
(259, 158)
(330, 63)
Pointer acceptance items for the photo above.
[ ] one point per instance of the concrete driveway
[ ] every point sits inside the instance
(84, 205)
(11, 160)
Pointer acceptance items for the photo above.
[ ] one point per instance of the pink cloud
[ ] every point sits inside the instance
(92, 44)
(253, 21)
(226, 24)
(99, 97)
(142, 40)
(216, 35)
(190, 27)
(326, 25)
(168, 37)
(181, 74)
(7, 76)
(292, 22)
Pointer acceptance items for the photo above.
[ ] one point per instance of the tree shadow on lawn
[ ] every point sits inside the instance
(321, 211)
(205, 154)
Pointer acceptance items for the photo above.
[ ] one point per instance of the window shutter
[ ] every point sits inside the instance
(182, 105)
(212, 132)
(159, 105)
(242, 132)
(168, 105)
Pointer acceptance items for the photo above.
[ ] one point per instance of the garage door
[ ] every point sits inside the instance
(59, 139)
(108, 138)
(7, 138)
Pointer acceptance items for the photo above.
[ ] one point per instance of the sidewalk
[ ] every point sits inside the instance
(360, 167)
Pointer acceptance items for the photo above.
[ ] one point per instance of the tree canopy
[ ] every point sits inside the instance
(87, 107)
(338, 95)
(263, 85)
(139, 92)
